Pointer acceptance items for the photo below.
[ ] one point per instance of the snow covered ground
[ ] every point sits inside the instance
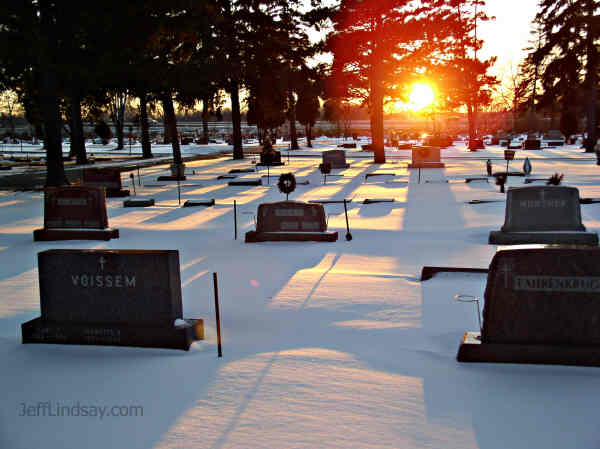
(326, 345)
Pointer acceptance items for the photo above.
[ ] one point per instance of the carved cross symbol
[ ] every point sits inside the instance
(102, 262)
(506, 269)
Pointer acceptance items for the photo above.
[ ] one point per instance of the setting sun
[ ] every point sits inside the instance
(421, 96)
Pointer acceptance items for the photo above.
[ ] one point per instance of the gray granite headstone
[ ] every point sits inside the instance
(542, 208)
(543, 295)
(134, 287)
(337, 158)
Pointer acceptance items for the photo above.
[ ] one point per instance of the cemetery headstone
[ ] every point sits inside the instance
(426, 157)
(476, 144)
(291, 221)
(542, 305)
(337, 158)
(532, 144)
(109, 178)
(111, 297)
(543, 214)
(554, 138)
(75, 213)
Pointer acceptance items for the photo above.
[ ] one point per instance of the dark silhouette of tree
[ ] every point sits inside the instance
(571, 36)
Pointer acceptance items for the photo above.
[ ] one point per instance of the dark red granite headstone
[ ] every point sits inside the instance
(109, 178)
(75, 207)
(290, 216)
(75, 213)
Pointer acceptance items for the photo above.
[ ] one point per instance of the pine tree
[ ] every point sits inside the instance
(571, 36)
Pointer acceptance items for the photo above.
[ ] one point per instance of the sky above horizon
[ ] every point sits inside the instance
(507, 35)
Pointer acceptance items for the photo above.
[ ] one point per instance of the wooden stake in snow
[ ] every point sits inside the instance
(234, 220)
(220, 352)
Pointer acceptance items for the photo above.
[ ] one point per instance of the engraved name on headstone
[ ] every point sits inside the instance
(291, 216)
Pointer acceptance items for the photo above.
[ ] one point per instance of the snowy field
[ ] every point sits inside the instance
(326, 345)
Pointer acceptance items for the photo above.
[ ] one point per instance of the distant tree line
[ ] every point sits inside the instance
(74, 63)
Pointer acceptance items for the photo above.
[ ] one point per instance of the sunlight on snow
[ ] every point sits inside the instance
(338, 283)
(19, 294)
(11, 203)
(256, 402)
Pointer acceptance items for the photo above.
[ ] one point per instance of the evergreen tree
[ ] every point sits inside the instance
(571, 36)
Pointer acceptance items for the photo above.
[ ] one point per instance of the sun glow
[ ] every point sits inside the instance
(421, 96)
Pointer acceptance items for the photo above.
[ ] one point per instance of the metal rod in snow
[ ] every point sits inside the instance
(178, 191)
(234, 220)
(132, 183)
(139, 178)
(419, 175)
(220, 352)
(348, 235)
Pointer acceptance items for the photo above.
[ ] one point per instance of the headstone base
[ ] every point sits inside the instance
(327, 236)
(426, 165)
(549, 238)
(181, 337)
(472, 350)
(48, 235)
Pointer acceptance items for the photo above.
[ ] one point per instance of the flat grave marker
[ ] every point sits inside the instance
(111, 297)
(545, 215)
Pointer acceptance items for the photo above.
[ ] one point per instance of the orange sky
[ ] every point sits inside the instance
(506, 36)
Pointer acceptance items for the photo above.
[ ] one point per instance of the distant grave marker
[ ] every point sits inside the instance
(75, 213)
(111, 297)
(426, 157)
(109, 178)
(543, 214)
(542, 305)
(337, 159)
(291, 221)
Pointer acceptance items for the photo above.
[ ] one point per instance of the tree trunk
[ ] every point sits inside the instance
(77, 140)
(49, 104)
(470, 116)
(236, 120)
(171, 125)
(292, 118)
(377, 121)
(119, 124)
(145, 127)
(205, 121)
(592, 82)
(308, 130)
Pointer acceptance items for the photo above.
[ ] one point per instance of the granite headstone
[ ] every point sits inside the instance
(75, 213)
(131, 296)
(542, 305)
(337, 158)
(543, 214)
(426, 157)
(109, 178)
(291, 220)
